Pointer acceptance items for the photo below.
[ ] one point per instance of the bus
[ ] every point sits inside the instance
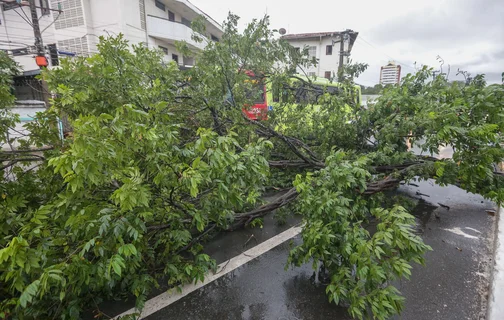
(258, 94)
(267, 96)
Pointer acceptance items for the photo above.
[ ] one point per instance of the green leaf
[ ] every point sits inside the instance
(29, 292)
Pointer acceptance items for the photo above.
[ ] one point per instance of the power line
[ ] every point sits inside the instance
(25, 19)
(37, 7)
(88, 21)
(64, 33)
(371, 45)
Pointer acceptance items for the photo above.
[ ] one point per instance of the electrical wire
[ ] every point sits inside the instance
(50, 24)
(27, 21)
(371, 45)
(63, 33)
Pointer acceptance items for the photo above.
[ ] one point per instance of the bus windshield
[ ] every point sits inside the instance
(255, 93)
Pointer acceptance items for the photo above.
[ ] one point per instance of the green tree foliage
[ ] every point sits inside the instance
(376, 89)
(161, 158)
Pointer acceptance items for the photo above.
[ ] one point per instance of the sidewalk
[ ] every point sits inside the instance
(496, 306)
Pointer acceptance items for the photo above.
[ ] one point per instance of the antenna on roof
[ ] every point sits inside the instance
(282, 31)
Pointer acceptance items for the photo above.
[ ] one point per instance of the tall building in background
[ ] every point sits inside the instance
(332, 49)
(76, 30)
(390, 74)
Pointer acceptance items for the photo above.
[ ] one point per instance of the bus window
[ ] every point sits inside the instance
(308, 94)
(255, 93)
(275, 90)
(333, 90)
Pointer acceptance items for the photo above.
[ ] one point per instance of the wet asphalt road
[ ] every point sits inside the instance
(453, 285)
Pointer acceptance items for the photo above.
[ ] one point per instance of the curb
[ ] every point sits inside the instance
(496, 299)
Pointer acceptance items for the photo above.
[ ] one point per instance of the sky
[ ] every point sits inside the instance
(467, 34)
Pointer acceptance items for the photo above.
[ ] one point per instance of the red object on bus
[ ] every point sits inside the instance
(259, 110)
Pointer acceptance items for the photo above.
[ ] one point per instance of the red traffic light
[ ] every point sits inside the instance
(41, 61)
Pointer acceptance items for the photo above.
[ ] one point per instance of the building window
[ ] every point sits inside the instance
(160, 5)
(327, 75)
(312, 52)
(295, 51)
(164, 49)
(44, 7)
(328, 50)
(311, 74)
(143, 24)
(186, 22)
(174, 57)
(171, 16)
(72, 15)
(214, 38)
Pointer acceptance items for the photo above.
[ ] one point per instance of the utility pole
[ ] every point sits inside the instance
(39, 44)
(342, 53)
(40, 59)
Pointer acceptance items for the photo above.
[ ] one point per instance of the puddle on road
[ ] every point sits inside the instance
(422, 213)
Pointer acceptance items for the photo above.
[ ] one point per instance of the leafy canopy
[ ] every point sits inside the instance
(159, 159)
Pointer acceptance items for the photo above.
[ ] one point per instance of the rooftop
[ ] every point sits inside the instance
(317, 35)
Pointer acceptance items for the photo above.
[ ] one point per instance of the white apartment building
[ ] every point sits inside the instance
(330, 48)
(75, 31)
(390, 74)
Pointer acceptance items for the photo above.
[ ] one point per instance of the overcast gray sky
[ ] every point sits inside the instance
(467, 34)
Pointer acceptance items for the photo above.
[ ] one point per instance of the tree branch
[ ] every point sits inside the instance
(13, 162)
(289, 164)
(25, 150)
(287, 141)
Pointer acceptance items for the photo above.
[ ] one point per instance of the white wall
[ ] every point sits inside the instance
(26, 110)
(103, 17)
(301, 44)
(326, 62)
(132, 27)
(171, 32)
(151, 9)
(171, 50)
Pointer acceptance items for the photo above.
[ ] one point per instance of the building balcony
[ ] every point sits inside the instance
(171, 31)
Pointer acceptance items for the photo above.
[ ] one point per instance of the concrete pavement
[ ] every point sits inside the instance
(496, 305)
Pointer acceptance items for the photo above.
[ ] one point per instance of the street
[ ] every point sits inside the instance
(453, 284)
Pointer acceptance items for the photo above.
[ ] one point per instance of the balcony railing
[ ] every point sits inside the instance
(171, 31)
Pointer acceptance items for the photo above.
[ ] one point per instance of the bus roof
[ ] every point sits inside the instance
(319, 81)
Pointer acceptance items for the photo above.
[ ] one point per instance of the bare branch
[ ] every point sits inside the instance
(26, 150)
(13, 162)
(286, 140)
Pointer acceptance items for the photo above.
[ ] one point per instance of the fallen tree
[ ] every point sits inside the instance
(159, 159)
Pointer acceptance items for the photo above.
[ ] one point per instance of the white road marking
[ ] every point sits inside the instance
(165, 299)
(475, 230)
(459, 232)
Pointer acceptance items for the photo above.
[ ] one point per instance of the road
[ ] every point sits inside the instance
(453, 285)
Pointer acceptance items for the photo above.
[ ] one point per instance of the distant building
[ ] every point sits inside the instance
(332, 49)
(390, 74)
